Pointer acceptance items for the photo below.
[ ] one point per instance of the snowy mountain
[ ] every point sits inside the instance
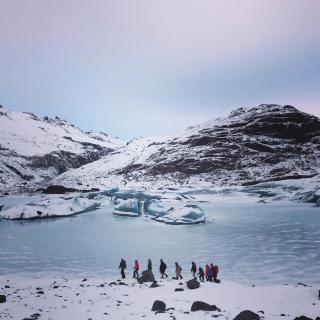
(34, 150)
(251, 145)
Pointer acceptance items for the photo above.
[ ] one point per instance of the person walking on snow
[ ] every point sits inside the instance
(206, 272)
(215, 273)
(136, 269)
(201, 274)
(210, 273)
(149, 264)
(122, 267)
(178, 271)
(163, 268)
(193, 269)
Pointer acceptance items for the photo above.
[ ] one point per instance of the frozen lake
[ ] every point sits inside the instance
(251, 243)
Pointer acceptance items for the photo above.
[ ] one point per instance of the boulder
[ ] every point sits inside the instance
(3, 298)
(34, 316)
(199, 305)
(193, 284)
(302, 318)
(55, 189)
(146, 276)
(158, 305)
(247, 315)
(154, 285)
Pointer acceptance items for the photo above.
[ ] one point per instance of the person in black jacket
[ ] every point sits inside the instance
(122, 267)
(178, 271)
(201, 274)
(193, 269)
(163, 268)
(149, 264)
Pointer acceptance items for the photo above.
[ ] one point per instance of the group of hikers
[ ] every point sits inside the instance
(209, 273)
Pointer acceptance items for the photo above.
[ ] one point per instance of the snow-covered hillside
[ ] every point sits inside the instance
(251, 145)
(34, 150)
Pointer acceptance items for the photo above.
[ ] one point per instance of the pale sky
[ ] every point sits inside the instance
(153, 67)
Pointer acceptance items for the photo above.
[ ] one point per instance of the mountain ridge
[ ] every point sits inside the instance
(33, 150)
(251, 145)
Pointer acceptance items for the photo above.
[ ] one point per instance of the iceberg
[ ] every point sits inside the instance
(157, 208)
(128, 207)
(48, 208)
(188, 214)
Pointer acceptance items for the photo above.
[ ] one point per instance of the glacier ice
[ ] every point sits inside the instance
(127, 207)
(188, 214)
(157, 208)
(52, 207)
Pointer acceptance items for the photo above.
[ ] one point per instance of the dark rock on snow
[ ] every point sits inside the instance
(247, 315)
(203, 306)
(302, 318)
(146, 276)
(154, 285)
(58, 190)
(301, 284)
(178, 289)
(3, 298)
(158, 305)
(193, 284)
(34, 316)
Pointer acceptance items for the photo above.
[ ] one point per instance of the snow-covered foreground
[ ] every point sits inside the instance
(93, 298)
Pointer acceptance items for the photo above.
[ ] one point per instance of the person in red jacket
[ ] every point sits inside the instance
(206, 271)
(136, 269)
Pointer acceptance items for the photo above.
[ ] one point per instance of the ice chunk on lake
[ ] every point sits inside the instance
(188, 214)
(157, 208)
(128, 207)
(51, 207)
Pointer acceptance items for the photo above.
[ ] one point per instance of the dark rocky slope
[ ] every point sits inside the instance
(251, 145)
